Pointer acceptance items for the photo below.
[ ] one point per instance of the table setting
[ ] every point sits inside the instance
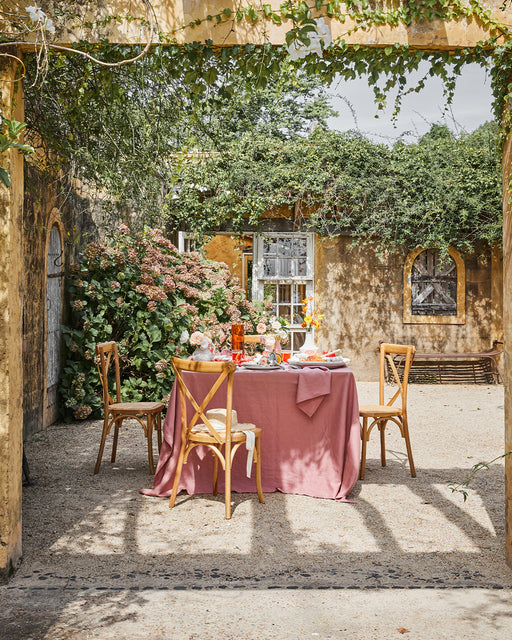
(307, 407)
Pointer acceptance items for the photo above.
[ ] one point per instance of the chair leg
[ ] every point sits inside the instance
(382, 430)
(227, 482)
(102, 443)
(364, 438)
(149, 427)
(258, 471)
(408, 446)
(177, 476)
(117, 425)
(159, 430)
(215, 473)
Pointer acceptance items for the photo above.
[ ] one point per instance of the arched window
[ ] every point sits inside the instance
(434, 287)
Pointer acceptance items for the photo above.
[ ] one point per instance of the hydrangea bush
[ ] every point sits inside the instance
(140, 291)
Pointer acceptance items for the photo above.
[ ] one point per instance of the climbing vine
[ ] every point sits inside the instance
(203, 66)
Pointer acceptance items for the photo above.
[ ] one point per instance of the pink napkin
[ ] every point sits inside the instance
(312, 387)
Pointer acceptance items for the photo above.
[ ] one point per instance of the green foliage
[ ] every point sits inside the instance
(464, 486)
(123, 129)
(442, 191)
(10, 132)
(141, 292)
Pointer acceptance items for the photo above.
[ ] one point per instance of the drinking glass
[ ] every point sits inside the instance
(237, 342)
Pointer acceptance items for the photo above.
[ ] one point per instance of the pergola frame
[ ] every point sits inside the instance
(171, 15)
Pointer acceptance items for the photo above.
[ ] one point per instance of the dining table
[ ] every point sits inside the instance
(310, 442)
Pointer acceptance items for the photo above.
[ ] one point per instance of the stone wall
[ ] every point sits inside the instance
(48, 201)
(361, 295)
(11, 267)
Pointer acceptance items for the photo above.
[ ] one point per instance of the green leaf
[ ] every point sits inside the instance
(4, 177)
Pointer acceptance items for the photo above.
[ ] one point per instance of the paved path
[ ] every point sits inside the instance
(408, 558)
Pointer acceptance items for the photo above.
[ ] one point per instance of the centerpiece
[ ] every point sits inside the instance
(311, 320)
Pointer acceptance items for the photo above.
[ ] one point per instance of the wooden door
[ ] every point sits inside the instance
(54, 315)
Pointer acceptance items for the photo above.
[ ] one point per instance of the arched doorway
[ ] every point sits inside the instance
(54, 276)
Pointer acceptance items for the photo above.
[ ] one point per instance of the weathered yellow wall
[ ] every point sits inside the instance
(507, 330)
(173, 15)
(11, 264)
(227, 249)
(361, 295)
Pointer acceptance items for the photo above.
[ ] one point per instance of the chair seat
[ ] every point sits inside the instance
(201, 433)
(136, 408)
(378, 410)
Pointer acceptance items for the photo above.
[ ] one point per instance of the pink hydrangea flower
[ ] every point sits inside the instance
(196, 338)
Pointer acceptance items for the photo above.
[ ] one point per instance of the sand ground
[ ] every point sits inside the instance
(409, 558)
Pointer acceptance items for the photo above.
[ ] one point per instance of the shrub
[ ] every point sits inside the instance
(141, 292)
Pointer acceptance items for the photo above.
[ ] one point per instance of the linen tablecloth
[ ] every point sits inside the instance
(317, 456)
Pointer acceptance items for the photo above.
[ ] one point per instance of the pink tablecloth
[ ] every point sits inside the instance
(316, 456)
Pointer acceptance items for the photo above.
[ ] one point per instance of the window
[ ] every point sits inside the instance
(434, 287)
(283, 270)
(188, 242)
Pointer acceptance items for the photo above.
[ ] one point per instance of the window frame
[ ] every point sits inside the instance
(459, 317)
(259, 279)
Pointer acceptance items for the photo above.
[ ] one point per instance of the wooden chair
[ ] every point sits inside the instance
(199, 430)
(383, 413)
(148, 414)
(253, 339)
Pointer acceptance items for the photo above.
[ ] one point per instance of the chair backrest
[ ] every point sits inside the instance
(108, 352)
(225, 371)
(400, 373)
(253, 339)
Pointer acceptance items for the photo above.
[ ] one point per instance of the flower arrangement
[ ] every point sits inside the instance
(273, 326)
(311, 317)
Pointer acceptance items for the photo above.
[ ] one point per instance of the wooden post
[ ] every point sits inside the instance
(11, 383)
(507, 333)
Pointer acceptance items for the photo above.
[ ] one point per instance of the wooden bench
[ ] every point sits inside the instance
(479, 367)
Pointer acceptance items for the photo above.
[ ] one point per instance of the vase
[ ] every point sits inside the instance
(202, 355)
(309, 345)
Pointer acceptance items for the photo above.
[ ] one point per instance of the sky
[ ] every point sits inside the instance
(471, 108)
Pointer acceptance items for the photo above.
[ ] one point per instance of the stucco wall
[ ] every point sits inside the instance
(361, 295)
(47, 201)
(11, 265)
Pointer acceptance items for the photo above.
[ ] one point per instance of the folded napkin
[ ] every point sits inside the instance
(217, 417)
(312, 387)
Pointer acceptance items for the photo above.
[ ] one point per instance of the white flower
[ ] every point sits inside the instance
(184, 336)
(276, 325)
(319, 40)
(38, 15)
(205, 343)
(35, 14)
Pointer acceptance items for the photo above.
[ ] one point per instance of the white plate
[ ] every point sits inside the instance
(319, 363)
(261, 367)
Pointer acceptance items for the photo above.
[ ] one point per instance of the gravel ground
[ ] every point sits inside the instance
(409, 558)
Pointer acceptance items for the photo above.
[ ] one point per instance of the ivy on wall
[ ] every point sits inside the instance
(206, 73)
(443, 191)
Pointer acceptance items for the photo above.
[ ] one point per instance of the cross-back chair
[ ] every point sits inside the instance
(379, 415)
(198, 427)
(148, 414)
